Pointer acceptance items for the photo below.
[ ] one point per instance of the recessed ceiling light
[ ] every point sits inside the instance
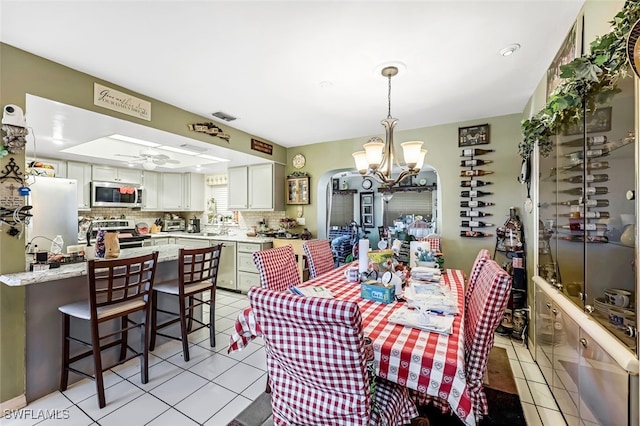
(133, 140)
(510, 49)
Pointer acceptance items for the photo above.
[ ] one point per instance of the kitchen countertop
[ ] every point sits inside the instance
(166, 253)
(198, 236)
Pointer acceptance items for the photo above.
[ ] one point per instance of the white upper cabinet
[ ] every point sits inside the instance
(150, 190)
(115, 174)
(193, 192)
(257, 187)
(81, 172)
(171, 191)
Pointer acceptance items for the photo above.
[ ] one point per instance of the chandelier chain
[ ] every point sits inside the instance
(389, 99)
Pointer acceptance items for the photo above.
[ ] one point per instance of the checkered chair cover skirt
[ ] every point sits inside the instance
(319, 256)
(481, 259)
(434, 242)
(278, 268)
(484, 313)
(317, 364)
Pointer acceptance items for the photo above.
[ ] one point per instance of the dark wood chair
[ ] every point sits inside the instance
(197, 274)
(118, 289)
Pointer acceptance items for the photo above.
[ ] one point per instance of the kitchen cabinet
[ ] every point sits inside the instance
(161, 241)
(248, 275)
(257, 187)
(227, 268)
(151, 191)
(59, 166)
(115, 174)
(192, 242)
(171, 191)
(298, 190)
(81, 172)
(193, 192)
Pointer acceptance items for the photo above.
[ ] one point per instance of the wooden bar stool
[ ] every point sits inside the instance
(197, 273)
(117, 289)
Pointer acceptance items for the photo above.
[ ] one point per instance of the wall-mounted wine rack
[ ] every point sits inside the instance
(473, 193)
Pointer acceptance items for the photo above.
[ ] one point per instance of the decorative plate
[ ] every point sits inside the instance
(366, 184)
(298, 161)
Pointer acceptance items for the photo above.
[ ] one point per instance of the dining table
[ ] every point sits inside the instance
(430, 363)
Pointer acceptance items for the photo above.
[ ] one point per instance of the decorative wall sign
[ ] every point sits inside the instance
(599, 121)
(473, 135)
(210, 129)
(115, 100)
(260, 146)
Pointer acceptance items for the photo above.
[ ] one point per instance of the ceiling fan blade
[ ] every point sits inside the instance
(160, 156)
(171, 161)
(158, 161)
(129, 156)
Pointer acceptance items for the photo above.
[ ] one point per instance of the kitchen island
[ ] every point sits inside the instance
(47, 290)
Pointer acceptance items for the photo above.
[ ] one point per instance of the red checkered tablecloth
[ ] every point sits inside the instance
(430, 363)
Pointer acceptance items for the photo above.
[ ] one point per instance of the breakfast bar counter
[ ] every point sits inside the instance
(46, 291)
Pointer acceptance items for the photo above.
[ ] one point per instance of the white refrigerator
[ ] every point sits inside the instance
(54, 210)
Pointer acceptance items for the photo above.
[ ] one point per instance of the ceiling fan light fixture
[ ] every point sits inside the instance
(149, 165)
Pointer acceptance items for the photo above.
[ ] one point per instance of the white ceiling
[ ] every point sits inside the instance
(300, 72)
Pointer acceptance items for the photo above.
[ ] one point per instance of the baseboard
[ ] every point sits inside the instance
(13, 404)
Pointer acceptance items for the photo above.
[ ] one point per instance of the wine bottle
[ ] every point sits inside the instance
(593, 165)
(474, 194)
(591, 140)
(474, 234)
(464, 173)
(581, 238)
(476, 224)
(469, 152)
(588, 203)
(474, 183)
(588, 215)
(475, 203)
(474, 162)
(579, 226)
(590, 178)
(591, 190)
(473, 213)
(590, 153)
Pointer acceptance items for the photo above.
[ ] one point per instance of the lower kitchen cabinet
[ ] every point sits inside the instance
(160, 241)
(590, 384)
(227, 268)
(248, 275)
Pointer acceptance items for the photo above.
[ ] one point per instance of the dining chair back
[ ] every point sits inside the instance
(484, 313)
(278, 268)
(319, 256)
(194, 287)
(317, 364)
(434, 242)
(118, 289)
(478, 264)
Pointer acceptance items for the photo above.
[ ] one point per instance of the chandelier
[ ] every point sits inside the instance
(378, 157)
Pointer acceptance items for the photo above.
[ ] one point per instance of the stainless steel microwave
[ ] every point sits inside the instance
(116, 194)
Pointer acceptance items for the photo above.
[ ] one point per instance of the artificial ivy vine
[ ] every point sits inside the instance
(593, 77)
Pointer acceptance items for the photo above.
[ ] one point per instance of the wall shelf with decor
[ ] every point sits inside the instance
(473, 214)
(298, 189)
(345, 192)
(413, 188)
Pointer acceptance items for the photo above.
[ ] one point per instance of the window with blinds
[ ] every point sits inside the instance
(404, 203)
(341, 210)
(221, 194)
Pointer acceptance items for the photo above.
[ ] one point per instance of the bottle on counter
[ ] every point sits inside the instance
(474, 194)
(473, 213)
(475, 224)
(474, 162)
(57, 244)
(475, 203)
(473, 183)
(513, 229)
(476, 172)
(469, 152)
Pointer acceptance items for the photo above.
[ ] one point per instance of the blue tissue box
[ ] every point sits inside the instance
(372, 290)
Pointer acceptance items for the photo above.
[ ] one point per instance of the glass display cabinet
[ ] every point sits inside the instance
(298, 190)
(585, 292)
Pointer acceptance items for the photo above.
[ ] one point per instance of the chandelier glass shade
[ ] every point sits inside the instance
(378, 157)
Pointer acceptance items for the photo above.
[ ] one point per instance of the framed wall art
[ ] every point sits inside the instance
(366, 209)
(570, 49)
(473, 135)
(599, 121)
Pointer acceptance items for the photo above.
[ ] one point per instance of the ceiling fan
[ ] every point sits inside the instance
(150, 159)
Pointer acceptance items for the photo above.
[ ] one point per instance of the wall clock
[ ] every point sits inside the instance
(298, 161)
(366, 184)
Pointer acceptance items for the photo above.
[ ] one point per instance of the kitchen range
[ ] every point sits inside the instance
(129, 235)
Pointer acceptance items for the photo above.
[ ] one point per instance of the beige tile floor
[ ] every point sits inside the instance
(213, 387)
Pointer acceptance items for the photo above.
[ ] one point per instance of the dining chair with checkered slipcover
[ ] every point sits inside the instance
(319, 256)
(278, 268)
(484, 313)
(478, 264)
(317, 364)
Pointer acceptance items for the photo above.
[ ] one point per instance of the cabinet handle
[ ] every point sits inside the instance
(584, 342)
(554, 312)
(559, 286)
(548, 305)
(589, 309)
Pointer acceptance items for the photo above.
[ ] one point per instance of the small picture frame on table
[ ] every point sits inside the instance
(473, 135)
